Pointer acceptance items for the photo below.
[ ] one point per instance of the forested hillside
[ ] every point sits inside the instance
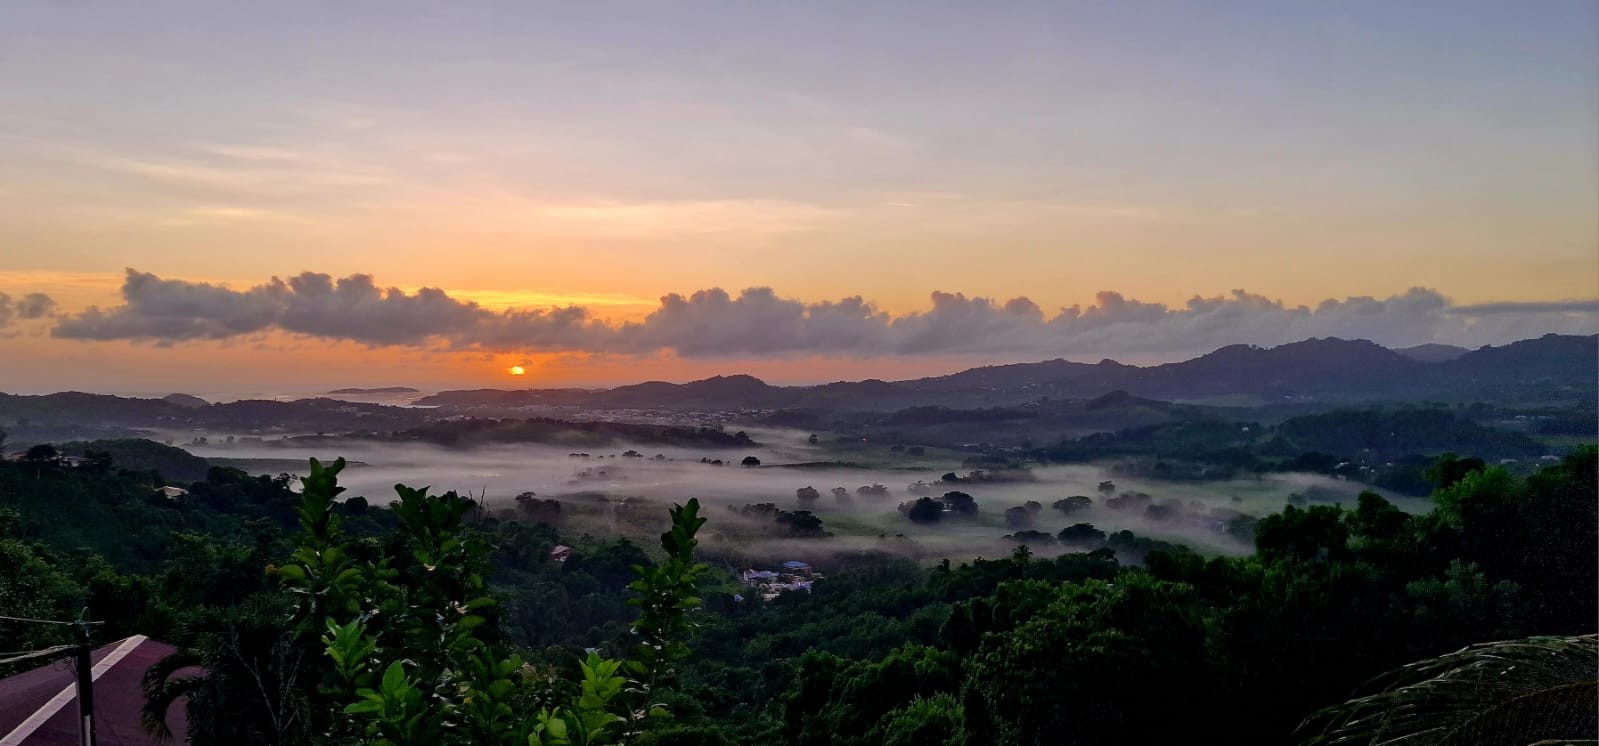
(432, 621)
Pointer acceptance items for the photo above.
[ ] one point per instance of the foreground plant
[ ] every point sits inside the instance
(407, 636)
(1534, 690)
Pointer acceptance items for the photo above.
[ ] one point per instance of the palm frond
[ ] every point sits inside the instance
(1509, 692)
(161, 688)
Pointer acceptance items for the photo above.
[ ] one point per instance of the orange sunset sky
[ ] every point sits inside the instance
(530, 156)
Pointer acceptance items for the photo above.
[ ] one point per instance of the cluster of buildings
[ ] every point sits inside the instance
(793, 576)
(65, 462)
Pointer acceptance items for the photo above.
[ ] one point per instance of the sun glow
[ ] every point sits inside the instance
(517, 370)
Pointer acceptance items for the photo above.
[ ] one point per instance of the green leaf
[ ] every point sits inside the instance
(364, 706)
(290, 572)
(394, 677)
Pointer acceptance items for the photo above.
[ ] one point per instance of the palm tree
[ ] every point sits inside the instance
(163, 686)
(1511, 693)
(250, 687)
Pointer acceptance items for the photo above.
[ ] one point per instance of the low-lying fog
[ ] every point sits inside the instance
(660, 476)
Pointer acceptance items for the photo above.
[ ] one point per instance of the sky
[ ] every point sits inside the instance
(216, 197)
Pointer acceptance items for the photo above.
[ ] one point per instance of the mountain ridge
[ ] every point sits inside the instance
(1552, 371)
(1324, 369)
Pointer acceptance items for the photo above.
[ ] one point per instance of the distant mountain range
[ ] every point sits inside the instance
(75, 415)
(1548, 370)
(1553, 371)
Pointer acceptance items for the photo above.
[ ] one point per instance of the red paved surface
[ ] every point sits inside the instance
(117, 700)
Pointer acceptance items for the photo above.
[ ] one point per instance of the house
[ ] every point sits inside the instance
(561, 553)
(172, 493)
(40, 707)
(795, 576)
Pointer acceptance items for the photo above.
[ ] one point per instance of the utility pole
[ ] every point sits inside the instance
(83, 669)
(85, 685)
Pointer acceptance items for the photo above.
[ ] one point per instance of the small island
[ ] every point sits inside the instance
(385, 390)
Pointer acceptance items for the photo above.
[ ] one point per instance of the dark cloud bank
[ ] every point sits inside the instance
(757, 322)
(28, 307)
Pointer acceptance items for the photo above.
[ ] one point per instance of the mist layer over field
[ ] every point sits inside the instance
(611, 491)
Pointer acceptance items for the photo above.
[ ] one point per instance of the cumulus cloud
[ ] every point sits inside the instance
(28, 307)
(712, 323)
(758, 322)
(352, 308)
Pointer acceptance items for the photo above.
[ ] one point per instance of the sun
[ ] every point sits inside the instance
(517, 370)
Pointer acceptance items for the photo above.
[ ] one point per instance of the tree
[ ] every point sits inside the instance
(31, 585)
(1082, 535)
(99, 462)
(1030, 536)
(1065, 659)
(925, 510)
(851, 703)
(934, 721)
(1073, 504)
(1561, 517)
(750, 461)
(1317, 532)
(1018, 517)
(40, 457)
(1450, 468)
(1497, 517)
(401, 646)
(1377, 520)
(872, 490)
(960, 503)
(255, 685)
(801, 523)
(538, 510)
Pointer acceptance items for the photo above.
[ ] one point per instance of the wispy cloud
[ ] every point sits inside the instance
(646, 219)
(224, 214)
(250, 172)
(1562, 306)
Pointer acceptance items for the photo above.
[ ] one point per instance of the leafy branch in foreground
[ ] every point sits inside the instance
(408, 635)
(1509, 692)
(665, 595)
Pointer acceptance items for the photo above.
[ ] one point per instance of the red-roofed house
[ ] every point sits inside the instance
(40, 707)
